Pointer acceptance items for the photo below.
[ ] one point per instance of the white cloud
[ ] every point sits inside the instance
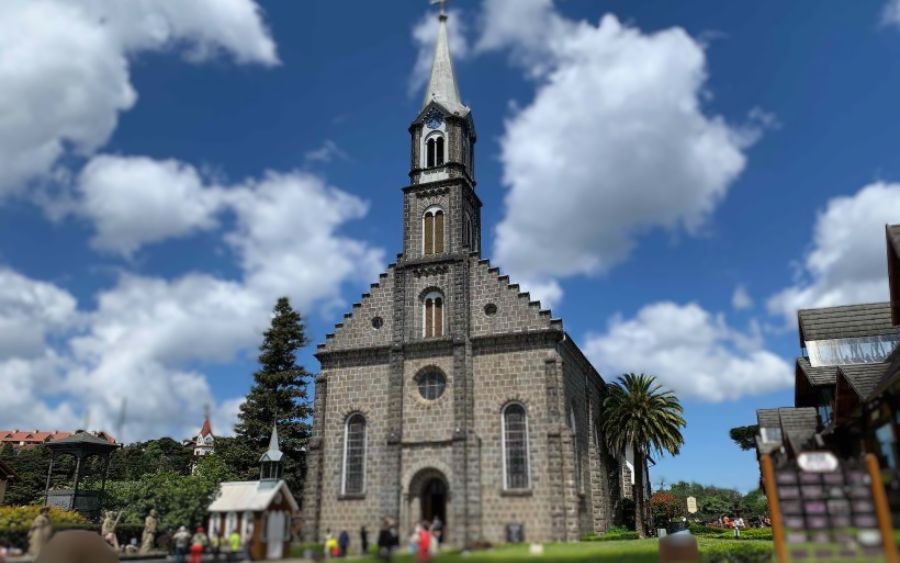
(740, 299)
(146, 334)
(891, 13)
(614, 142)
(29, 309)
(690, 351)
(424, 34)
(325, 153)
(65, 69)
(133, 201)
(846, 264)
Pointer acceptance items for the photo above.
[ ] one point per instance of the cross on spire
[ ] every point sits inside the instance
(443, 4)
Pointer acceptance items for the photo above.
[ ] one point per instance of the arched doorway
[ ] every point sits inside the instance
(433, 499)
(428, 497)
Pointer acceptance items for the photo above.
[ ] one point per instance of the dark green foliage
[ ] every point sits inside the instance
(612, 535)
(640, 414)
(279, 394)
(713, 502)
(154, 456)
(180, 500)
(31, 466)
(744, 436)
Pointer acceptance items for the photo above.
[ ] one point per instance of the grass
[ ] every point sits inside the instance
(624, 551)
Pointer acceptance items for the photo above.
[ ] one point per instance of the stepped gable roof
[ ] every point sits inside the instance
(849, 321)
(864, 378)
(823, 375)
(253, 496)
(798, 425)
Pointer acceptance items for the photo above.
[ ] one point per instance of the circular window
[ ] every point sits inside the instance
(490, 309)
(377, 323)
(431, 385)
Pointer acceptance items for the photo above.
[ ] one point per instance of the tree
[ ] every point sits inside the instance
(641, 415)
(744, 436)
(279, 395)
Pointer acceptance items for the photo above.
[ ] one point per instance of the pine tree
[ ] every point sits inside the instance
(279, 394)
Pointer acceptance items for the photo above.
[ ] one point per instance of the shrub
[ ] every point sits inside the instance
(611, 535)
(739, 552)
(16, 520)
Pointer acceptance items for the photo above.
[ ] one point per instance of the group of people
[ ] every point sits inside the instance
(735, 524)
(426, 539)
(340, 546)
(195, 545)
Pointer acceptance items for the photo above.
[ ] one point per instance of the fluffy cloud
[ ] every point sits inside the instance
(133, 201)
(146, 334)
(424, 34)
(614, 142)
(846, 264)
(65, 70)
(690, 351)
(29, 309)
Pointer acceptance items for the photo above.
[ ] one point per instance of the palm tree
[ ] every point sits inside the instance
(639, 413)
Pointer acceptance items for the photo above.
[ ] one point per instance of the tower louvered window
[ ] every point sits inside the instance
(439, 152)
(354, 455)
(433, 235)
(434, 315)
(515, 448)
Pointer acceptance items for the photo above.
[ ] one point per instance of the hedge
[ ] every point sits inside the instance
(16, 520)
(744, 552)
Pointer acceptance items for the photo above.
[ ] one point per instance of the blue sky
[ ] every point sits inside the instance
(685, 175)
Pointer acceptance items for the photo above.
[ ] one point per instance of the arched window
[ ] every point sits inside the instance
(354, 455)
(516, 473)
(435, 150)
(434, 315)
(433, 227)
(430, 146)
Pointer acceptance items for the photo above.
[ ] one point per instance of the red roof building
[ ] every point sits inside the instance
(31, 438)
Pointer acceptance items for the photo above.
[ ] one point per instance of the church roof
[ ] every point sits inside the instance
(820, 375)
(864, 378)
(442, 87)
(255, 496)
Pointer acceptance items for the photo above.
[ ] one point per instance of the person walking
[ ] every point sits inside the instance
(331, 545)
(738, 524)
(343, 542)
(424, 543)
(234, 545)
(364, 540)
(182, 541)
(198, 545)
(385, 541)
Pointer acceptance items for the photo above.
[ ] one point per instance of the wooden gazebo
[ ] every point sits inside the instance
(82, 446)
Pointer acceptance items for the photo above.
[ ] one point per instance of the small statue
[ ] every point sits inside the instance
(40, 532)
(149, 536)
(108, 528)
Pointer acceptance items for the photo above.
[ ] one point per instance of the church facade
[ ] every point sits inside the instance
(447, 392)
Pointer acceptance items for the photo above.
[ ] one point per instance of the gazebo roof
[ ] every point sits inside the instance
(82, 440)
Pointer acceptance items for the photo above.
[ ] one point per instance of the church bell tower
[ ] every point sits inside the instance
(442, 214)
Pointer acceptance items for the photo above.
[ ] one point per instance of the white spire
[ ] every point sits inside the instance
(274, 451)
(442, 86)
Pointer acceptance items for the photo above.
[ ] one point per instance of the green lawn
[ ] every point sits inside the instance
(625, 551)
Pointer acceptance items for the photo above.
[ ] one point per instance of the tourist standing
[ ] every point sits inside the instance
(182, 540)
(424, 542)
(198, 544)
(364, 540)
(331, 545)
(234, 543)
(738, 524)
(387, 540)
(343, 542)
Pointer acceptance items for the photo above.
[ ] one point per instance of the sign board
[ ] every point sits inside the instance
(826, 509)
(515, 533)
(692, 505)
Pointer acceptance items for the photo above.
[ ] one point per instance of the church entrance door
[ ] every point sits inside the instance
(434, 500)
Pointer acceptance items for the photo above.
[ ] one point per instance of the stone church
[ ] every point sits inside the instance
(446, 391)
